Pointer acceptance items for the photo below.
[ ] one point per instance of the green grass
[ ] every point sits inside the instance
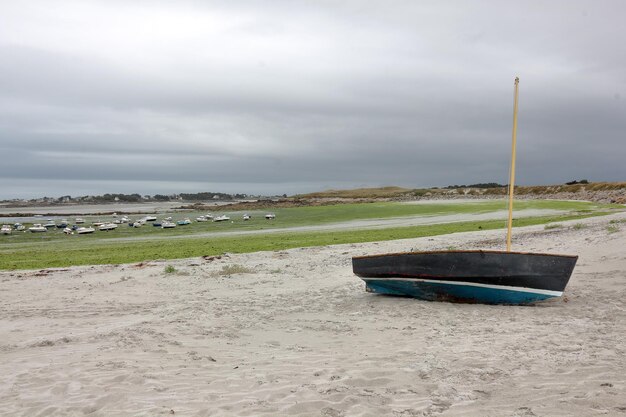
(106, 251)
(297, 216)
(169, 269)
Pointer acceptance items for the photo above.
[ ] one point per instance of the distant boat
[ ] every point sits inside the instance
(6, 229)
(107, 226)
(150, 218)
(246, 217)
(168, 225)
(270, 216)
(85, 230)
(201, 219)
(221, 218)
(19, 226)
(79, 220)
(157, 224)
(97, 224)
(209, 216)
(37, 228)
(68, 231)
(183, 222)
(490, 277)
(62, 225)
(50, 224)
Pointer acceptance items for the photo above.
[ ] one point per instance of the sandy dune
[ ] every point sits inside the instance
(297, 335)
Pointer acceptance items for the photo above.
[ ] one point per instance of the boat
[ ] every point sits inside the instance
(270, 216)
(209, 216)
(221, 218)
(168, 225)
(62, 225)
(183, 222)
(79, 220)
(6, 229)
(107, 226)
(201, 219)
(156, 224)
(37, 228)
(85, 230)
(68, 231)
(473, 276)
(50, 224)
(246, 217)
(19, 226)
(150, 218)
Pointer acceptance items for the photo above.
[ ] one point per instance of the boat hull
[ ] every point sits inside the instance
(489, 277)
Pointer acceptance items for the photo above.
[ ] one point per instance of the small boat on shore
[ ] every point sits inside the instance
(475, 276)
(150, 218)
(270, 216)
(246, 217)
(37, 228)
(221, 218)
(107, 226)
(85, 230)
(183, 222)
(201, 219)
(168, 225)
(6, 229)
(50, 224)
(79, 220)
(19, 227)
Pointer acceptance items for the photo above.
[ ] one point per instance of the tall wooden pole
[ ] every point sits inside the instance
(512, 178)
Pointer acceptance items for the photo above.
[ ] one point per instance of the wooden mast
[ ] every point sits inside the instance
(512, 174)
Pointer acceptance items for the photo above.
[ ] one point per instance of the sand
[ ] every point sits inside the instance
(294, 333)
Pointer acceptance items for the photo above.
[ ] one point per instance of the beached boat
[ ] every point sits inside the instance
(49, 224)
(246, 217)
(168, 225)
(150, 218)
(62, 225)
(19, 226)
(37, 228)
(68, 231)
(201, 219)
(183, 222)
(6, 229)
(85, 230)
(221, 218)
(270, 216)
(491, 277)
(79, 220)
(107, 226)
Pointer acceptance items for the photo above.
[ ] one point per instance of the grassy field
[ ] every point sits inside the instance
(54, 249)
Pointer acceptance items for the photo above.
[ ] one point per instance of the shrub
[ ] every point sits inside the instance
(169, 269)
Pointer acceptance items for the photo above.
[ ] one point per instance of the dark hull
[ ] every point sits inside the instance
(489, 277)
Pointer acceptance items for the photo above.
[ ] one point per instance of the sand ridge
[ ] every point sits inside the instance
(294, 333)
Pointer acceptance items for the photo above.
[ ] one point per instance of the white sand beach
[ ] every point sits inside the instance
(296, 334)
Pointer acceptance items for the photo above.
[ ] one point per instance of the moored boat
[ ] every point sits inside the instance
(19, 226)
(246, 217)
(37, 228)
(270, 216)
(183, 222)
(107, 226)
(85, 230)
(6, 229)
(221, 218)
(168, 225)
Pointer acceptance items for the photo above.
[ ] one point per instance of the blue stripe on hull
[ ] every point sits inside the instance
(446, 292)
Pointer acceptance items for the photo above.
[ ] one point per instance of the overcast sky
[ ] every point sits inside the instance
(278, 97)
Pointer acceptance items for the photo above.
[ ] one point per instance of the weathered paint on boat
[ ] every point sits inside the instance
(490, 277)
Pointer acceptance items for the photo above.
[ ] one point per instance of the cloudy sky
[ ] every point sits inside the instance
(281, 97)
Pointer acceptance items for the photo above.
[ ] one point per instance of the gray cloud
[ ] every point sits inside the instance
(298, 96)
